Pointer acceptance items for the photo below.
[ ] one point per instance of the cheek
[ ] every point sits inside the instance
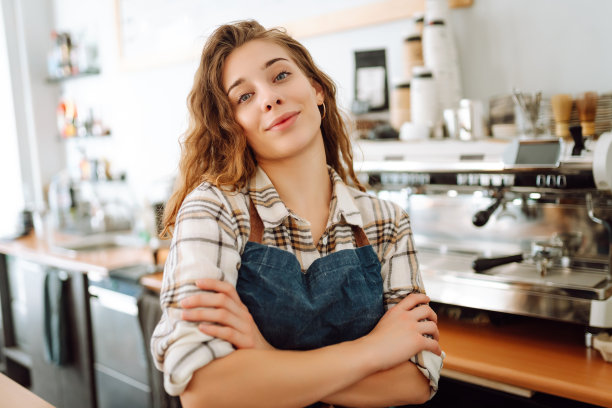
(249, 127)
(245, 120)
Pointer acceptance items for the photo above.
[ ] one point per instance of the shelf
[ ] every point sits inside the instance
(89, 72)
(86, 138)
(18, 355)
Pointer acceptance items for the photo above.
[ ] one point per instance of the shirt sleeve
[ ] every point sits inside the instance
(205, 244)
(401, 276)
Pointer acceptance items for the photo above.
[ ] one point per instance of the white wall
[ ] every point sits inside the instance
(10, 182)
(26, 27)
(550, 45)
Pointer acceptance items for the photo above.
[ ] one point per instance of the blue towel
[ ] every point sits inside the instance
(56, 317)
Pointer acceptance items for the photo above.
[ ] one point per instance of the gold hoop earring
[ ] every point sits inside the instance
(324, 111)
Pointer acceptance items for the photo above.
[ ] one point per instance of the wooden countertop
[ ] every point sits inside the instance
(531, 354)
(14, 395)
(153, 281)
(101, 261)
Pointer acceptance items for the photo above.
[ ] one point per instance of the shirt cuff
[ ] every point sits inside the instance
(430, 365)
(189, 354)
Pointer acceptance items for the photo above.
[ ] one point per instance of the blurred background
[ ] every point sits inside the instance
(132, 64)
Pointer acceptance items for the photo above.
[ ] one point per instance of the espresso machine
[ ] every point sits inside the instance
(520, 226)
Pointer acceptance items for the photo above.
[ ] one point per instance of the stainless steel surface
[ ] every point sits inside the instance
(548, 212)
(120, 363)
(606, 224)
(448, 243)
(451, 156)
(96, 242)
(512, 228)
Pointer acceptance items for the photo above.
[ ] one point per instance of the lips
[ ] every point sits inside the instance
(282, 121)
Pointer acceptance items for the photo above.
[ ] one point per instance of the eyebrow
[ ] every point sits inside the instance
(264, 66)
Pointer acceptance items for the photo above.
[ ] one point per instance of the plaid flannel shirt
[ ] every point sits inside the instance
(212, 228)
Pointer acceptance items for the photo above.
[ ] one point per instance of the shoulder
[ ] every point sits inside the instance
(215, 200)
(376, 211)
(229, 207)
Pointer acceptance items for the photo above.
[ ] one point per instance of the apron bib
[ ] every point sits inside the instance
(339, 297)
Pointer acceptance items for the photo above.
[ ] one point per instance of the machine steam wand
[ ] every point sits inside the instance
(482, 217)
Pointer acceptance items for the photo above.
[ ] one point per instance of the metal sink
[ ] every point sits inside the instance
(97, 242)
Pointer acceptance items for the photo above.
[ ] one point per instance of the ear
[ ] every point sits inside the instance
(320, 95)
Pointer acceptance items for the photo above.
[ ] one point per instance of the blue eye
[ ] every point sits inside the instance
(244, 97)
(282, 76)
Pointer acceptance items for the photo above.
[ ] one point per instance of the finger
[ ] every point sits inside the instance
(226, 333)
(429, 328)
(218, 286)
(200, 299)
(212, 300)
(412, 300)
(432, 345)
(423, 313)
(213, 315)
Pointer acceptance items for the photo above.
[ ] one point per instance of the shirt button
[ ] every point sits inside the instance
(324, 240)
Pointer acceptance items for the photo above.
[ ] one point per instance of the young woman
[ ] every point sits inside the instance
(280, 281)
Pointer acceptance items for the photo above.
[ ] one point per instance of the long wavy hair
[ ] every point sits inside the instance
(214, 147)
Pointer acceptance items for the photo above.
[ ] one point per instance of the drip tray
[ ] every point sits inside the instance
(566, 277)
(460, 265)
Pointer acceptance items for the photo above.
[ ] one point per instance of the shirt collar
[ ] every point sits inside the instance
(342, 204)
(273, 211)
(264, 196)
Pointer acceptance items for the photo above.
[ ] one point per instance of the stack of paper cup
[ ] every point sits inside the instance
(424, 108)
(400, 105)
(440, 53)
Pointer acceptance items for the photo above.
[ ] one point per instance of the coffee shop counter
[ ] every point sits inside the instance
(14, 395)
(101, 260)
(520, 357)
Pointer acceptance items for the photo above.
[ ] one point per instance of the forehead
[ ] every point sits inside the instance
(250, 58)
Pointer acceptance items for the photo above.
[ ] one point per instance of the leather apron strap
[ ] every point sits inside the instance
(361, 239)
(257, 229)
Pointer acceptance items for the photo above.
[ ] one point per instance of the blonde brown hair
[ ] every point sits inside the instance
(214, 147)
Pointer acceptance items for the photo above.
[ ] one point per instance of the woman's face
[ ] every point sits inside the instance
(273, 101)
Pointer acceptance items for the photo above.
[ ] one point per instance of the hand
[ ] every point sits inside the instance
(401, 332)
(223, 315)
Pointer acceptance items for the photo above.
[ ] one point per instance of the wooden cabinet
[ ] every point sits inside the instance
(26, 312)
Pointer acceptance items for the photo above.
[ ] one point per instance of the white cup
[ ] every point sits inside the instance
(414, 131)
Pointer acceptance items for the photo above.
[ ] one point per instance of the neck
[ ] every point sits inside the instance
(302, 181)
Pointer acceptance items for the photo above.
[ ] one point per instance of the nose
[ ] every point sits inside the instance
(270, 100)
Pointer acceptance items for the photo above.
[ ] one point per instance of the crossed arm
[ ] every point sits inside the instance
(371, 371)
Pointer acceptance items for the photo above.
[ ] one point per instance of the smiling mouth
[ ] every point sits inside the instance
(284, 121)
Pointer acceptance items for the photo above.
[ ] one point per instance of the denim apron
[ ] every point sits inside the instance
(339, 297)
